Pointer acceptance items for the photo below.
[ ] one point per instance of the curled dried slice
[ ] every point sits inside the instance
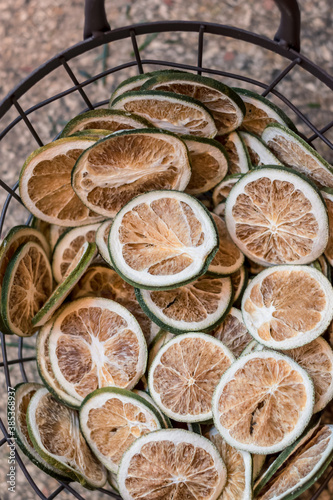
(162, 239)
(102, 240)
(239, 160)
(276, 217)
(228, 258)
(171, 463)
(288, 306)
(185, 373)
(123, 165)
(263, 402)
(111, 419)
(233, 332)
(258, 151)
(96, 343)
(328, 198)
(196, 307)
(222, 190)
(55, 433)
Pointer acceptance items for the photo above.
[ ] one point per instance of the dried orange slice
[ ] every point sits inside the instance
(288, 306)
(96, 343)
(263, 402)
(171, 463)
(239, 160)
(126, 164)
(233, 332)
(276, 217)
(228, 258)
(185, 373)
(162, 239)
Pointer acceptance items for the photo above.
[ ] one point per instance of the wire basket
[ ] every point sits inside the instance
(97, 32)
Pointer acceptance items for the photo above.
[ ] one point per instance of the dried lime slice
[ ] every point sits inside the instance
(166, 421)
(161, 338)
(258, 151)
(239, 160)
(55, 233)
(233, 332)
(222, 190)
(102, 240)
(239, 282)
(228, 258)
(328, 198)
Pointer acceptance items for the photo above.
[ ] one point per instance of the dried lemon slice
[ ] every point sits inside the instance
(295, 153)
(171, 463)
(276, 217)
(263, 402)
(222, 190)
(96, 343)
(209, 163)
(228, 258)
(198, 306)
(106, 120)
(111, 419)
(168, 111)
(239, 468)
(162, 240)
(184, 374)
(126, 164)
(258, 151)
(288, 306)
(225, 105)
(55, 432)
(102, 240)
(239, 160)
(328, 198)
(233, 332)
(45, 183)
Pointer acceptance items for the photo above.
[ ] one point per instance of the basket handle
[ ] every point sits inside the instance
(288, 34)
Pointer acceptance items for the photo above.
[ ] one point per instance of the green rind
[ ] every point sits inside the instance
(95, 134)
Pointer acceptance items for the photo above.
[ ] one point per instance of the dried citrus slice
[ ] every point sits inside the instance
(96, 343)
(228, 258)
(78, 267)
(171, 463)
(45, 183)
(111, 419)
(112, 480)
(196, 307)
(102, 240)
(222, 190)
(276, 217)
(101, 281)
(55, 233)
(255, 268)
(17, 412)
(303, 469)
(184, 374)
(55, 432)
(239, 282)
(209, 163)
(263, 402)
(105, 119)
(239, 160)
(45, 369)
(258, 462)
(27, 284)
(233, 332)
(145, 395)
(225, 105)
(220, 210)
(295, 153)
(168, 111)
(67, 247)
(125, 164)
(162, 239)
(258, 151)
(328, 198)
(260, 112)
(288, 306)
(161, 338)
(95, 134)
(239, 468)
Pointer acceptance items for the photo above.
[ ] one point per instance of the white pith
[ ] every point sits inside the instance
(257, 103)
(266, 157)
(128, 87)
(243, 159)
(226, 182)
(102, 246)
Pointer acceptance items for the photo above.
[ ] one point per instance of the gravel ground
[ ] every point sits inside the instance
(32, 31)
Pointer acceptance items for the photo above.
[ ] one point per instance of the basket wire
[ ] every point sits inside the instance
(201, 28)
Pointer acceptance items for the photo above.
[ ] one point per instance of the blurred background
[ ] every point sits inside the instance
(32, 31)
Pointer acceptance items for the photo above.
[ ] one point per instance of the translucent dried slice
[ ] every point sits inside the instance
(288, 306)
(258, 151)
(129, 163)
(239, 281)
(101, 281)
(171, 463)
(295, 153)
(162, 239)
(239, 161)
(239, 468)
(111, 419)
(233, 332)
(184, 374)
(225, 105)
(45, 183)
(263, 402)
(105, 119)
(209, 163)
(102, 240)
(276, 217)
(168, 111)
(222, 190)
(198, 306)
(68, 246)
(55, 433)
(328, 198)
(27, 284)
(228, 258)
(96, 343)
(303, 468)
